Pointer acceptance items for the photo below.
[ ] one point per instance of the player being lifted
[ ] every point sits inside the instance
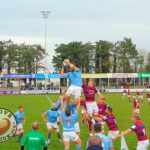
(89, 91)
(74, 74)
(20, 119)
(51, 122)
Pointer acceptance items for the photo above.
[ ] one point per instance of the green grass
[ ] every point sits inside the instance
(35, 105)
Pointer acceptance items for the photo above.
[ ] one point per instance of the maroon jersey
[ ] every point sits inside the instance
(89, 92)
(140, 131)
(111, 122)
(102, 108)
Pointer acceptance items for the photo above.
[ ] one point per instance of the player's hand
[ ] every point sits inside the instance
(66, 61)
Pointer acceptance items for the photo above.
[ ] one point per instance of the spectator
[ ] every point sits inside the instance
(107, 143)
(34, 139)
(94, 143)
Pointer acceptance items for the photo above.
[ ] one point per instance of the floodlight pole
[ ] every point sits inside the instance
(45, 15)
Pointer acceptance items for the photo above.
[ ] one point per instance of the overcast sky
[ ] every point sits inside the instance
(86, 20)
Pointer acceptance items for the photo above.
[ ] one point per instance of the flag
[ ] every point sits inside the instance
(124, 145)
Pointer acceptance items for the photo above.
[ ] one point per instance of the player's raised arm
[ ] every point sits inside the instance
(62, 104)
(62, 72)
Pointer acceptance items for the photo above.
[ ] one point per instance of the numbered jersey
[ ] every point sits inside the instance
(68, 123)
(140, 131)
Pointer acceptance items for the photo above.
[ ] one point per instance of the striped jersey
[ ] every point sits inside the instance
(111, 122)
(89, 92)
(140, 131)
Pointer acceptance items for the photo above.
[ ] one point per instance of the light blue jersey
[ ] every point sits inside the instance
(75, 77)
(52, 115)
(68, 123)
(107, 143)
(19, 117)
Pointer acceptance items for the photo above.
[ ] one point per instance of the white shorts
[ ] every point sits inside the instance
(52, 125)
(124, 94)
(129, 95)
(148, 99)
(77, 127)
(143, 145)
(70, 136)
(137, 111)
(74, 90)
(20, 128)
(92, 107)
(112, 134)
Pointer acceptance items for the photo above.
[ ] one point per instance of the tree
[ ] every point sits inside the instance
(147, 66)
(77, 52)
(127, 54)
(102, 56)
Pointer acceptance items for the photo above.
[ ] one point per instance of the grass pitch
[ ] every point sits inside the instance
(35, 105)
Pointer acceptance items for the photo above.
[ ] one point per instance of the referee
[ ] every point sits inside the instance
(34, 140)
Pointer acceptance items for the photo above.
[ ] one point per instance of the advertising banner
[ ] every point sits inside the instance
(144, 75)
(9, 92)
(41, 92)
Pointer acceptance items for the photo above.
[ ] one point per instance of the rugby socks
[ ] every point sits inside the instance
(19, 138)
(59, 136)
(49, 136)
(90, 126)
(78, 147)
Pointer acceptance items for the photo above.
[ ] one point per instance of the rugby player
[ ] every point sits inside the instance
(20, 120)
(89, 91)
(136, 105)
(50, 117)
(68, 123)
(110, 120)
(74, 75)
(140, 95)
(141, 133)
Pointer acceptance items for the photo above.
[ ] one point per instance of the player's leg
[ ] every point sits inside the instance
(66, 145)
(76, 91)
(89, 117)
(66, 140)
(19, 132)
(78, 144)
(56, 127)
(49, 127)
